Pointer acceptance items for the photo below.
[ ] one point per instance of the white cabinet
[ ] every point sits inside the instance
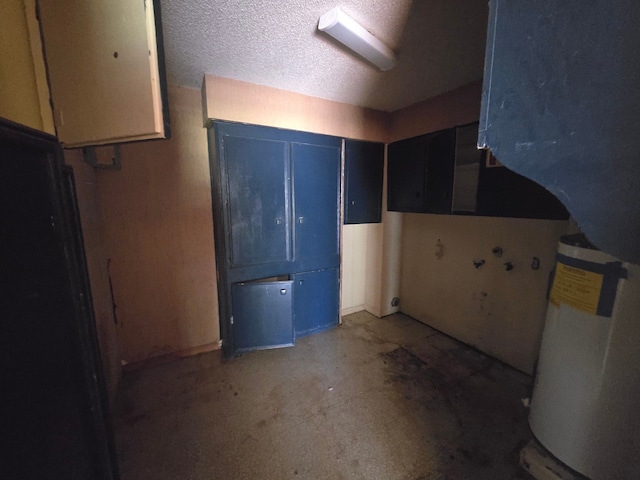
(104, 74)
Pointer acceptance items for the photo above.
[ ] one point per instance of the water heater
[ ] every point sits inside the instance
(585, 407)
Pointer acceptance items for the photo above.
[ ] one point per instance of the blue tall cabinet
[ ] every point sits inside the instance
(276, 200)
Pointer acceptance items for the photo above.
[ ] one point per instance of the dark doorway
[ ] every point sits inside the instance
(53, 417)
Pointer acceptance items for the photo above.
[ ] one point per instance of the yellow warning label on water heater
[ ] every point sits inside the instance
(577, 288)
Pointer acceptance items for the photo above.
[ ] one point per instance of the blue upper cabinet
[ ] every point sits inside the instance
(420, 173)
(406, 175)
(363, 174)
(278, 195)
(443, 172)
(316, 207)
(258, 191)
(441, 152)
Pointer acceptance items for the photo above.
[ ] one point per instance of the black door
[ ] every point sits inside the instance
(52, 418)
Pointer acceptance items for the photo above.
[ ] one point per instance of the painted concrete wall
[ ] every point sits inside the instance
(384, 260)
(233, 100)
(499, 312)
(96, 255)
(370, 275)
(457, 107)
(354, 264)
(159, 236)
(24, 95)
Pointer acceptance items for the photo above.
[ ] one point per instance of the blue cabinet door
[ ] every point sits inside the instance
(316, 301)
(363, 172)
(262, 315)
(406, 175)
(316, 205)
(441, 152)
(257, 187)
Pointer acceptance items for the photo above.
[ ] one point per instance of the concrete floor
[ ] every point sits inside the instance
(372, 399)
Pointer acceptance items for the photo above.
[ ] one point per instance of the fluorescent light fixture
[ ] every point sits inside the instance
(347, 31)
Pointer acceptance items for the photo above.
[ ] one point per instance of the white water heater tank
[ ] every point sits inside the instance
(585, 407)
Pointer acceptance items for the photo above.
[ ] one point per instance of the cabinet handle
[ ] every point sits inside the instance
(283, 291)
(300, 220)
(278, 221)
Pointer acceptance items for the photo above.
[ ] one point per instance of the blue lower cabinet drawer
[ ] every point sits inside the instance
(262, 315)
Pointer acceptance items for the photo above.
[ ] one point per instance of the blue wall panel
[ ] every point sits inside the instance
(560, 106)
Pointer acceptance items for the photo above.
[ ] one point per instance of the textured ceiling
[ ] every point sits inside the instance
(439, 43)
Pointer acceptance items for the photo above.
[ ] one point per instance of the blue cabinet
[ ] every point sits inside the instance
(363, 175)
(316, 301)
(420, 173)
(276, 202)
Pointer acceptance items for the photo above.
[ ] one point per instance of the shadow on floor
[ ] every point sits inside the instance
(374, 398)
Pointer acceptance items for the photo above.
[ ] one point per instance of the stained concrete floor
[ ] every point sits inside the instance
(374, 398)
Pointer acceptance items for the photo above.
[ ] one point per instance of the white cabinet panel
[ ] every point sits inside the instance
(102, 61)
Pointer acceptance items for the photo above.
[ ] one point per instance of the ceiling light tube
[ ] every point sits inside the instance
(347, 31)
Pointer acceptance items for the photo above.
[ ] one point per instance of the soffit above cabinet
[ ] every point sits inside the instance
(105, 70)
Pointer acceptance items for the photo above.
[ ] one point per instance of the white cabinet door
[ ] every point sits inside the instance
(102, 62)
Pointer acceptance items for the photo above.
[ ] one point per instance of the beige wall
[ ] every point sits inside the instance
(233, 100)
(95, 251)
(24, 95)
(457, 107)
(381, 251)
(499, 312)
(159, 237)
(353, 264)
(385, 250)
